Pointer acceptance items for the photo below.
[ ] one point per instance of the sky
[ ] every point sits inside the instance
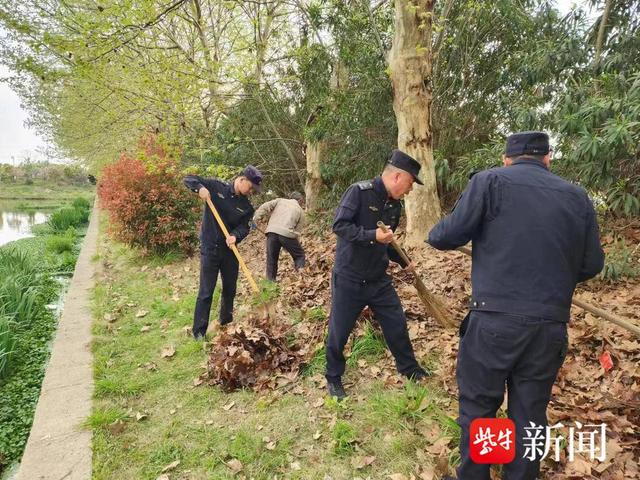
(17, 141)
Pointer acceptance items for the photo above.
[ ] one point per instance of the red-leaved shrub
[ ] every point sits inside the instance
(149, 206)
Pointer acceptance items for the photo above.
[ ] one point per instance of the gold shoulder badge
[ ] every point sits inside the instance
(373, 208)
(220, 195)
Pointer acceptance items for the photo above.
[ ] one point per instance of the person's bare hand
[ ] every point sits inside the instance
(384, 237)
(204, 194)
(231, 240)
(411, 268)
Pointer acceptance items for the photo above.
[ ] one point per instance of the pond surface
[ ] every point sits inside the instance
(15, 225)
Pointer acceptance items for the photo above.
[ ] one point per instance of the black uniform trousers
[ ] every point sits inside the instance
(523, 353)
(348, 300)
(213, 261)
(274, 243)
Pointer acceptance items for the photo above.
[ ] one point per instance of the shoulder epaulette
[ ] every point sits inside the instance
(365, 185)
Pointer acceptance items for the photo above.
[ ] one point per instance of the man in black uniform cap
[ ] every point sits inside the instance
(359, 276)
(231, 199)
(535, 236)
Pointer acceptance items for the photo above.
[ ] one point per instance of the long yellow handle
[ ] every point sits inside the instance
(234, 249)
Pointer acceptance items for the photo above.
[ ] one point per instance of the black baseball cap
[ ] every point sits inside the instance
(254, 175)
(401, 160)
(522, 143)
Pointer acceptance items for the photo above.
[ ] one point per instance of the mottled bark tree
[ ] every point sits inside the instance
(410, 62)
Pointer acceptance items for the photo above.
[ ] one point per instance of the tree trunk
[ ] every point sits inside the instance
(410, 62)
(316, 149)
(313, 184)
(601, 33)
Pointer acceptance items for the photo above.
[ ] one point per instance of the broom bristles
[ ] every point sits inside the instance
(435, 307)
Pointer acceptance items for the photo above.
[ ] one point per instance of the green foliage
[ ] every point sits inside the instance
(102, 418)
(7, 344)
(81, 203)
(21, 388)
(62, 243)
(598, 113)
(344, 437)
(370, 346)
(316, 314)
(69, 217)
(269, 291)
(20, 280)
(621, 262)
(316, 72)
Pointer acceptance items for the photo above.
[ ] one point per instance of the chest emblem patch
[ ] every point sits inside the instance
(373, 208)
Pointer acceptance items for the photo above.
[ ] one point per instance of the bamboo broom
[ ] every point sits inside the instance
(435, 307)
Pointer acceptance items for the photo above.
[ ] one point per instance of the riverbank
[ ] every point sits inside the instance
(33, 280)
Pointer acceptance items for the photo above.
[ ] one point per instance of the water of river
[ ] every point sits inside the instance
(16, 225)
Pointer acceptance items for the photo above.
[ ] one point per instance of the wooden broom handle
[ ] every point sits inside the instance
(578, 302)
(394, 244)
(234, 249)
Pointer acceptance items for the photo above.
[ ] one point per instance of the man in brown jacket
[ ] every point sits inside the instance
(283, 230)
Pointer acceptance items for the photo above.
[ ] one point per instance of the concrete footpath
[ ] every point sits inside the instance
(58, 448)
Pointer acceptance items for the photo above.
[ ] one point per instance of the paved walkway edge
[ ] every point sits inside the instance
(58, 448)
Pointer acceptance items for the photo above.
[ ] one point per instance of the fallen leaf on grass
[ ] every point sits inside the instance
(141, 313)
(439, 446)
(117, 427)
(296, 466)
(109, 318)
(168, 352)
(318, 403)
(146, 328)
(164, 476)
(234, 465)
(360, 462)
(141, 416)
(171, 466)
(317, 435)
(398, 476)
(228, 406)
(197, 382)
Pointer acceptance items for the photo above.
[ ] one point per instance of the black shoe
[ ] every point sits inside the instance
(336, 390)
(419, 375)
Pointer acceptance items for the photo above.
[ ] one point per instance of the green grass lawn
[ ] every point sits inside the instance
(148, 413)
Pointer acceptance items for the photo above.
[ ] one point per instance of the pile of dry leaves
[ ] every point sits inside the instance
(251, 354)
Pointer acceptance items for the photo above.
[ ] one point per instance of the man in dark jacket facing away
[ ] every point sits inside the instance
(231, 199)
(535, 236)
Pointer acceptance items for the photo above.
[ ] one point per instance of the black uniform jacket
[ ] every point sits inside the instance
(534, 237)
(236, 212)
(358, 256)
